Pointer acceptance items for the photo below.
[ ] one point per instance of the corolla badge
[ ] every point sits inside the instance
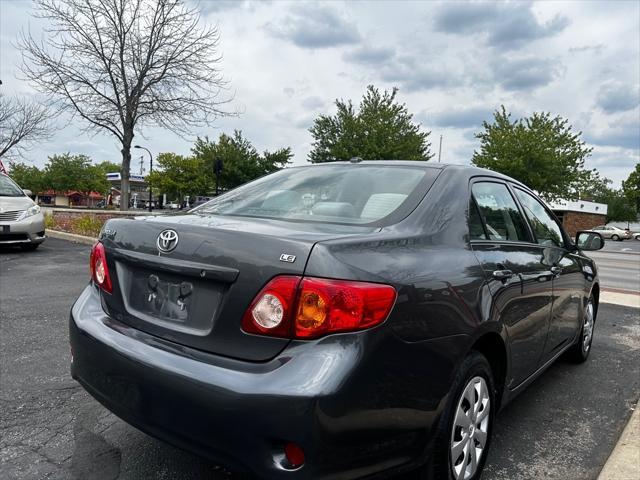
(167, 240)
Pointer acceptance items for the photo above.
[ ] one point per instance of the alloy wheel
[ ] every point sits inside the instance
(587, 327)
(470, 429)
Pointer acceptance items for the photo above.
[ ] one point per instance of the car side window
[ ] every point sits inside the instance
(545, 228)
(498, 209)
(476, 230)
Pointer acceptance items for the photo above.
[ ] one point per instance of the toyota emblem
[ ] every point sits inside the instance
(167, 241)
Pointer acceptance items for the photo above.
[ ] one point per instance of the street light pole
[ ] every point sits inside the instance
(150, 172)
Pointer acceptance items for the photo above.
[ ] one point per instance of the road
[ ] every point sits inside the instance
(563, 427)
(619, 265)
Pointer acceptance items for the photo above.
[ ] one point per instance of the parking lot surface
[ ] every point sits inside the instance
(619, 265)
(563, 426)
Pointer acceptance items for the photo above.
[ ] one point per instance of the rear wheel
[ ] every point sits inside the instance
(615, 237)
(579, 352)
(464, 433)
(29, 247)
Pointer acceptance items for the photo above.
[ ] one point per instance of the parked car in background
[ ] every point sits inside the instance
(21, 220)
(636, 235)
(340, 320)
(614, 233)
(171, 206)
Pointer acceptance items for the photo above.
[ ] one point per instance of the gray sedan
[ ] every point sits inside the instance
(614, 233)
(21, 221)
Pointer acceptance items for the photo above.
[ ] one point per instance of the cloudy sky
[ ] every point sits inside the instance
(453, 62)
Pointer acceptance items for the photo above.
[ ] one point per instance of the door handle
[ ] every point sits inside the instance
(556, 270)
(502, 274)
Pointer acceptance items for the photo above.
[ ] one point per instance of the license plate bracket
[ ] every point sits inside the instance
(168, 300)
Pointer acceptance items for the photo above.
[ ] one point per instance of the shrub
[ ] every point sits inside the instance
(88, 225)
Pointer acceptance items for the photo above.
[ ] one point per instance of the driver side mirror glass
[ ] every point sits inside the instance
(589, 241)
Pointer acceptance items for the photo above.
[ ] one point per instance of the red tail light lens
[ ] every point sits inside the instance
(330, 306)
(294, 454)
(270, 312)
(313, 307)
(99, 269)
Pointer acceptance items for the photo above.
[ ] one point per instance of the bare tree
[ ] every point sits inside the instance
(122, 64)
(22, 122)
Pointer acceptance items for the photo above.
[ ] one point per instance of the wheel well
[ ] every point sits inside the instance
(595, 291)
(492, 347)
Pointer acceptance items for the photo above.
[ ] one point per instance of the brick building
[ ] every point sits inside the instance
(579, 215)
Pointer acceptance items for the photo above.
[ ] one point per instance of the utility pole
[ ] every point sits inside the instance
(217, 168)
(150, 172)
(440, 149)
(2, 169)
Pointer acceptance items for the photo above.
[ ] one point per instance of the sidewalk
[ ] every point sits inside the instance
(624, 461)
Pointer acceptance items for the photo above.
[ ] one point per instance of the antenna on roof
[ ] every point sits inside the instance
(440, 149)
(356, 159)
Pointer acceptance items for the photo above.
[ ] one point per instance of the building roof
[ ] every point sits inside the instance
(582, 206)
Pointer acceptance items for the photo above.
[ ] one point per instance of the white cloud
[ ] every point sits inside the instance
(455, 63)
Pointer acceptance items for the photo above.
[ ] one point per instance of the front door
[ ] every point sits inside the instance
(518, 272)
(568, 277)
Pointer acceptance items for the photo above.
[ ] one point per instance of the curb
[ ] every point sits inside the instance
(72, 237)
(624, 461)
(626, 299)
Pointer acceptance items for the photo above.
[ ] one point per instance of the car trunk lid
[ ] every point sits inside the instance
(197, 293)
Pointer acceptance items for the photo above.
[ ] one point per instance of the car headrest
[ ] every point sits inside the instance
(380, 205)
(334, 209)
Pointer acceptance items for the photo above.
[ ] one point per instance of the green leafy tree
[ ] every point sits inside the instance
(73, 172)
(28, 177)
(631, 188)
(619, 207)
(380, 129)
(178, 176)
(241, 160)
(541, 151)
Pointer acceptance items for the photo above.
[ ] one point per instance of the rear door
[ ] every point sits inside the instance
(518, 272)
(568, 278)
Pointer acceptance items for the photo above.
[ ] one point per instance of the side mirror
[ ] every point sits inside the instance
(28, 193)
(589, 241)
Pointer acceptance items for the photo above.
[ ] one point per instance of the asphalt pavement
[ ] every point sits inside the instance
(619, 265)
(563, 427)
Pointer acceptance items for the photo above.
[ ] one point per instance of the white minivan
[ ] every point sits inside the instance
(21, 221)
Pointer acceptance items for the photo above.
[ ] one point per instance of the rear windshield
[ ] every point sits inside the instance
(350, 194)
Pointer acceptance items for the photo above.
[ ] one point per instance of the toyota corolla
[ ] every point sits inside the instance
(335, 321)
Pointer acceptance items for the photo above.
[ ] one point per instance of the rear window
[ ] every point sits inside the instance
(351, 194)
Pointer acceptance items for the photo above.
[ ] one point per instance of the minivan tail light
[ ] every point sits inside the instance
(99, 269)
(309, 307)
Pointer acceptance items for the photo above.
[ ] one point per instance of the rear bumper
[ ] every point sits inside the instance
(241, 414)
(30, 230)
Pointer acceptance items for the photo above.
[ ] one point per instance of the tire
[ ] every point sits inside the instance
(579, 352)
(474, 377)
(29, 247)
(615, 237)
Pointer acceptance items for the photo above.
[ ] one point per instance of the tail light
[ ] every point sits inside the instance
(295, 307)
(99, 269)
